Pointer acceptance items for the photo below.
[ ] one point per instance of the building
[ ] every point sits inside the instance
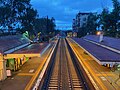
(79, 21)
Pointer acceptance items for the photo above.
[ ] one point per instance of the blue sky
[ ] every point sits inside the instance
(65, 10)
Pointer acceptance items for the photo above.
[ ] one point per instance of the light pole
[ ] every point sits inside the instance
(100, 34)
(47, 24)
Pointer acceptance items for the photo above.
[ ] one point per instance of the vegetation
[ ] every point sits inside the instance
(42, 24)
(18, 16)
(45, 28)
(90, 26)
(111, 20)
(108, 21)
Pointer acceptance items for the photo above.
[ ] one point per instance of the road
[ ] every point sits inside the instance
(62, 73)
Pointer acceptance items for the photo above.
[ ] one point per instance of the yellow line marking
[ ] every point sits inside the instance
(105, 74)
(29, 85)
(25, 74)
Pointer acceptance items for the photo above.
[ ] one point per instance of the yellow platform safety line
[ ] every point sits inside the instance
(105, 74)
(86, 65)
(29, 85)
(26, 74)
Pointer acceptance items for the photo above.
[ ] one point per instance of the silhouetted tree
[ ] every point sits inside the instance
(91, 23)
(115, 18)
(105, 20)
(110, 20)
(17, 14)
(28, 20)
(45, 25)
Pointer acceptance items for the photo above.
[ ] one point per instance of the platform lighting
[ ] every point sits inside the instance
(98, 33)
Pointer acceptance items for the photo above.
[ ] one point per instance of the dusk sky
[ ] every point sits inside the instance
(65, 10)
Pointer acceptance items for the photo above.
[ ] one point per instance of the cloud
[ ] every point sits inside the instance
(71, 11)
(65, 10)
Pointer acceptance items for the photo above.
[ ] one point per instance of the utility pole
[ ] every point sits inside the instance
(47, 24)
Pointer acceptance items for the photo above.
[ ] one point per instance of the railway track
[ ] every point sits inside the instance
(62, 73)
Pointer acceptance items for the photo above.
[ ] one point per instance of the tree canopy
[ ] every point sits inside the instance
(108, 21)
(111, 20)
(19, 16)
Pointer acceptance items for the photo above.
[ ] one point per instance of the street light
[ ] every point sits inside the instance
(100, 34)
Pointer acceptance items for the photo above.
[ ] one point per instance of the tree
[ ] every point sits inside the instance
(51, 25)
(17, 14)
(42, 24)
(91, 23)
(110, 20)
(115, 16)
(4, 17)
(45, 28)
(116, 10)
(28, 20)
(105, 20)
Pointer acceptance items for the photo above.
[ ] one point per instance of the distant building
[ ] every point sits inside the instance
(79, 21)
(74, 25)
(69, 34)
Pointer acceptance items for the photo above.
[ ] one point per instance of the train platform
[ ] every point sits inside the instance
(102, 55)
(103, 78)
(24, 78)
